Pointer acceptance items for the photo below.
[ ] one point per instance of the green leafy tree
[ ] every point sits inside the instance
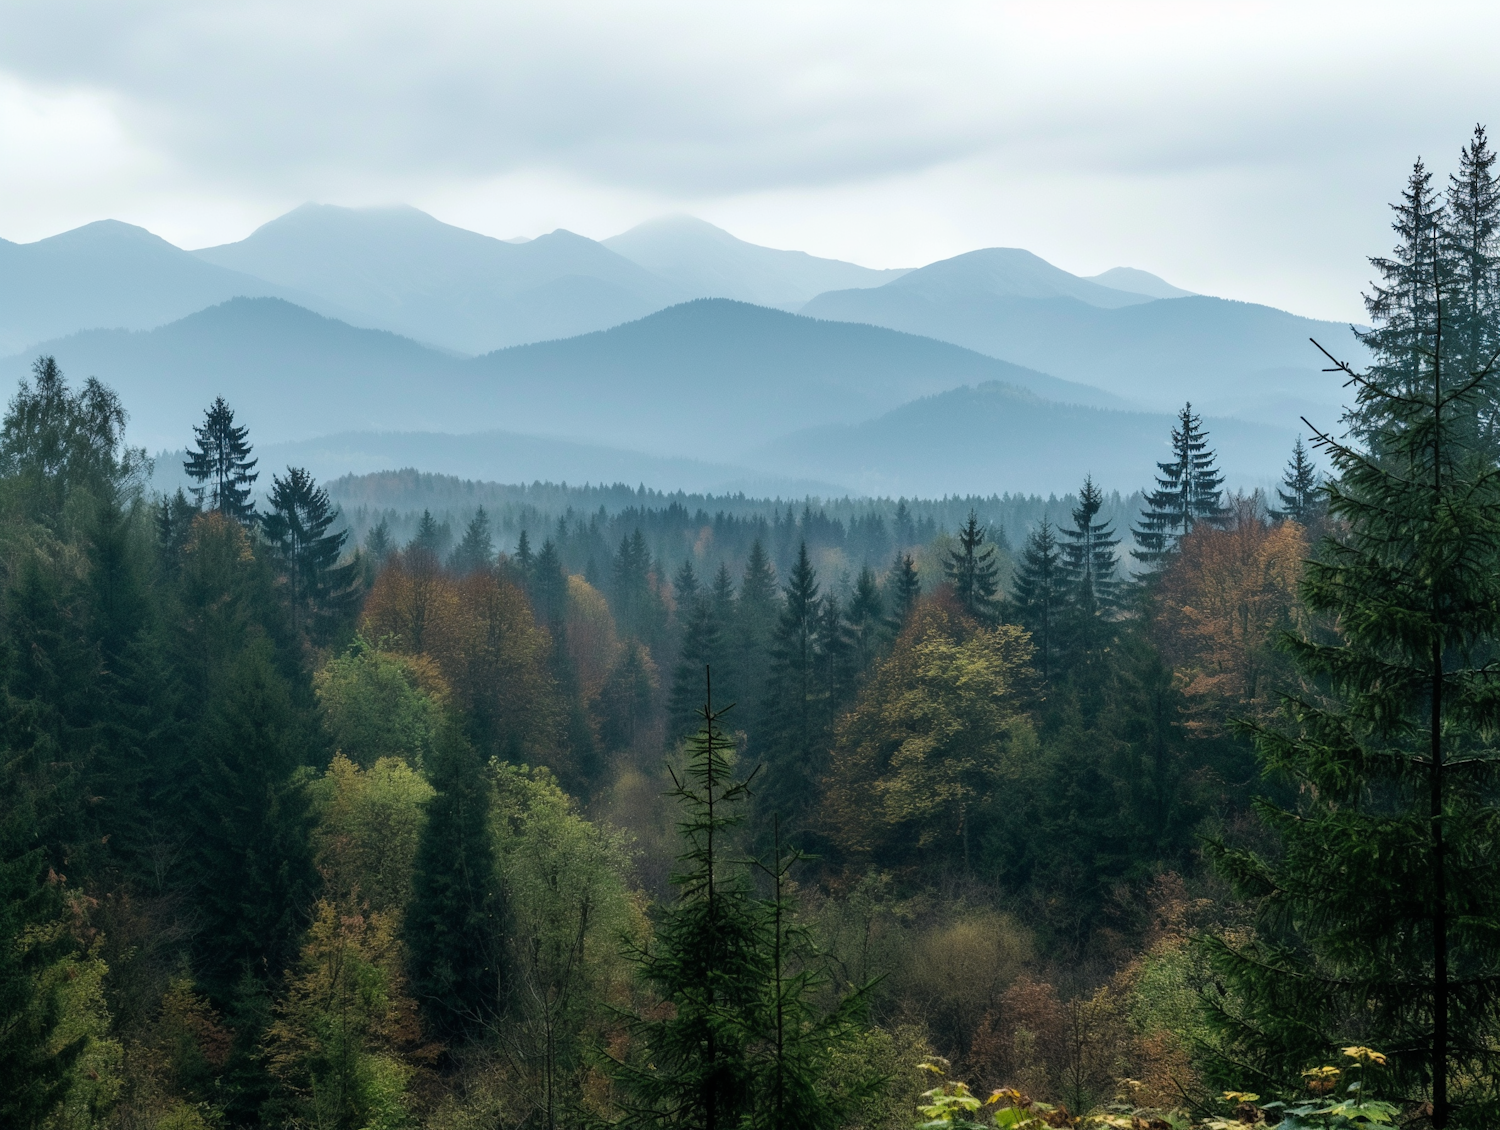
(56, 443)
(1379, 911)
(374, 705)
(221, 465)
(320, 592)
(1189, 490)
(973, 570)
(453, 925)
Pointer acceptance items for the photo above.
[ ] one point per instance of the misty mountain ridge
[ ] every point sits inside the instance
(707, 262)
(717, 394)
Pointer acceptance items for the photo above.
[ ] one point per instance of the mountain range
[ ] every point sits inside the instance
(674, 340)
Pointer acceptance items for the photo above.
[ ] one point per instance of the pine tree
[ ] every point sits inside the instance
(707, 961)
(319, 591)
(249, 858)
(1471, 251)
(1041, 595)
(1379, 910)
(430, 537)
(1300, 500)
(524, 559)
(453, 924)
(973, 571)
(866, 620)
(1188, 491)
(221, 465)
(476, 549)
(794, 702)
(905, 587)
(685, 587)
(750, 646)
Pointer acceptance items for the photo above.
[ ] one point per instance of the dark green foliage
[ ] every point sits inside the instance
(905, 588)
(1378, 913)
(1089, 570)
(1300, 500)
(634, 597)
(453, 925)
(685, 587)
(707, 960)
(34, 1073)
(701, 647)
(1041, 596)
(973, 571)
(378, 543)
(56, 443)
(476, 549)
(1189, 490)
(755, 617)
(221, 464)
(794, 708)
(523, 558)
(249, 862)
(174, 524)
(430, 538)
(549, 588)
(319, 591)
(866, 626)
(626, 699)
(1471, 250)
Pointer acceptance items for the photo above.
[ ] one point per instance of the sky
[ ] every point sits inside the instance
(1243, 149)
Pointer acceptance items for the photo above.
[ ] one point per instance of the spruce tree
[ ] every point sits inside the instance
(905, 587)
(835, 660)
(973, 570)
(1041, 595)
(379, 544)
(476, 549)
(1379, 909)
(221, 465)
(453, 923)
(249, 859)
(707, 961)
(1089, 560)
(755, 616)
(549, 589)
(794, 704)
(866, 620)
(1188, 490)
(1300, 498)
(174, 516)
(430, 538)
(524, 558)
(685, 587)
(1470, 230)
(700, 647)
(319, 591)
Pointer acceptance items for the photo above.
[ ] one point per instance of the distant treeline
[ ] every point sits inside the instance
(588, 523)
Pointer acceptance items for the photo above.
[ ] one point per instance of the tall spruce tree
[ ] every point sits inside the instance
(221, 465)
(1189, 490)
(1299, 490)
(755, 617)
(866, 623)
(1041, 596)
(793, 707)
(320, 592)
(973, 571)
(706, 961)
(430, 538)
(700, 647)
(1089, 559)
(905, 588)
(1379, 909)
(475, 551)
(453, 923)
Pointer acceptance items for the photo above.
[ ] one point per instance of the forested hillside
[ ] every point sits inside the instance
(409, 801)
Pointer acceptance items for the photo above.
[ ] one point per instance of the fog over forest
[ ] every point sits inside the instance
(666, 681)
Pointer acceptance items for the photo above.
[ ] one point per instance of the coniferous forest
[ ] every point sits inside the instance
(657, 817)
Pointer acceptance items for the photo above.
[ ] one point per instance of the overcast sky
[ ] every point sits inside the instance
(1242, 149)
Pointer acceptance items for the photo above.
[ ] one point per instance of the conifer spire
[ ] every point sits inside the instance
(1299, 499)
(1189, 490)
(221, 464)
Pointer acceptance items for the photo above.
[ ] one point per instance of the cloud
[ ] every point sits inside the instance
(1163, 128)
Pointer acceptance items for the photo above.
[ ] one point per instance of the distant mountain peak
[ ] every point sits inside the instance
(1140, 282)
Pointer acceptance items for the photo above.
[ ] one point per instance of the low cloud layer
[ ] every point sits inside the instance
(1246, 149)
